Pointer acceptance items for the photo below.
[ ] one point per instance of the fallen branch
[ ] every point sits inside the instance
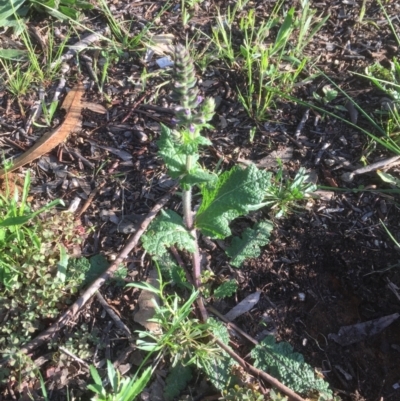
(117, 320)
(84, 298)
(79, 46)
(348, 177)
(259, 373)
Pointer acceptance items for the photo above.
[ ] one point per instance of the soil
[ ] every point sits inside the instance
(329, 264)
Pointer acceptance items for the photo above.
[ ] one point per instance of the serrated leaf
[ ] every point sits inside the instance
(171, 271)
(288, 366)
(176, 381)
(98, 265)
(191, 145)
(226, 289)
(167, 230)
(198, 176)
(170, 152)
(249, 245)
(218, 368)
(236, 193)
(219, 330)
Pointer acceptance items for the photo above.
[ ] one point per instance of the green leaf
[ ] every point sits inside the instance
(84, 5)
(226, 289)
(191, 145)
(218, 367)
(167, 230)
(69, 12)
(112, 376)
(13, 54)
(95, 375)
(132, 388)
(236, 193)
(249, 245)
(9, 7)
(386, 177)
(176, 381)
(198, 176)
(279, 360)
(284, 31)
(62, 265)
(169, 151)
(98, 265)
(16, 221)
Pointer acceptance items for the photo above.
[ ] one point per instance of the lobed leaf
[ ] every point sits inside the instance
(236, 193)
(226, 289)
(176, 381)
(288, 366)
(169, 151)
(249, 245)
(167, 230)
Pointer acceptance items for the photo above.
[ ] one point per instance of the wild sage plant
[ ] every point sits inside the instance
(226, 196)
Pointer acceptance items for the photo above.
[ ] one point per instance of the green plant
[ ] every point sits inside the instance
(36, 278)
(226, 289)
(81, 342)
(223, 197)
(268, 69)
(249, 245)
(122, 389)
(283, 194)
(282, 362)
(17, 82)
(18, 242)
(241, 393)
(59, 9)
(181, 337)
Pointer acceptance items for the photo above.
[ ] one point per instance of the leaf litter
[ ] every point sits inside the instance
(333, 252)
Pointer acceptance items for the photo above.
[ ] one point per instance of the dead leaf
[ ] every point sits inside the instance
(359, 332)
(146, 305)
(122, 154)
(270, 161)
(244, 306)
(95, 107)
(73, 106)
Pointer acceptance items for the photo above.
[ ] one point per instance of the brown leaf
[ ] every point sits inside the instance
(95, 107)
(146, 305)
(244, 306)
(72, 105)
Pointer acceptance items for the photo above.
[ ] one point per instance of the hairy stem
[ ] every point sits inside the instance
(188, 218)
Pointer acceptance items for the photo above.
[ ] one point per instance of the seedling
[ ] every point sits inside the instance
(269, 70)
(122, 389)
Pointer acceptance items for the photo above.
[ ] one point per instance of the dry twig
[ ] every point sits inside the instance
(117, 320)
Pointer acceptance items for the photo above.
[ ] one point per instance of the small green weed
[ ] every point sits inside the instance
(241, 393)
(181, 337)
(61, 9)
(35, 278)
(122, 389)
(283, 195)
(268, 69)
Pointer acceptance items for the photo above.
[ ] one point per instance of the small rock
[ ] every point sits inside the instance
(141, 136)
